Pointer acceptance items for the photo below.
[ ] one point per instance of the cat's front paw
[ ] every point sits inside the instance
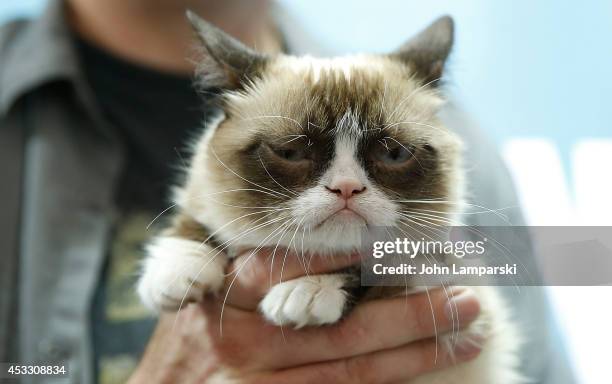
(177, 271)
(308, 300)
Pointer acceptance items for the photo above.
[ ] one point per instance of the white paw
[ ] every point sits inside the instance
(177, 271)
(309, 300)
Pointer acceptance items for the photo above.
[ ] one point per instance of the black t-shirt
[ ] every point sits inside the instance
(155, 114)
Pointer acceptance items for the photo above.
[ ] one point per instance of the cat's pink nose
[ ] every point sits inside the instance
(346, 187)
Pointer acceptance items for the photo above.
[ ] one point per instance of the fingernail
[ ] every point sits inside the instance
(463, 307)
(468, 348)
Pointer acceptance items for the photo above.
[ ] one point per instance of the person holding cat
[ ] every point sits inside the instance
(95, 101)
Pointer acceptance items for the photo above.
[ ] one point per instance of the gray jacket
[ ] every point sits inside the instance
(59, 164)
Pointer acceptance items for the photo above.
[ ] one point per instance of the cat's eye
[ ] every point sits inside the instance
(394, 156)
(290, 154)
(293, 153)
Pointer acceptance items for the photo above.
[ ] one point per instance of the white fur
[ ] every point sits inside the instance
(308, 300)
(344, 64)
(177, 271)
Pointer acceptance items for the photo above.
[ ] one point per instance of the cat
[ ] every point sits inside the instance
(318, 148)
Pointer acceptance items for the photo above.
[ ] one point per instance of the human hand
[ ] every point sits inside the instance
(380, 341)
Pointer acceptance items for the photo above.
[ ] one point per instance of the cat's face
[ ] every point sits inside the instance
(310, 151)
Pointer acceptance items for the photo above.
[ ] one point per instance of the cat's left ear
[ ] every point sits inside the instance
(427, 52)
(226, 63)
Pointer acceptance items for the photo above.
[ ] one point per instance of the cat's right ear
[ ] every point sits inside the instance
(225, 62)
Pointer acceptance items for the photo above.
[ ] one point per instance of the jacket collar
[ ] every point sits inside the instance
(42, 52)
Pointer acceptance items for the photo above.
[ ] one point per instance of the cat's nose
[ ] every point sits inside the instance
(345, 187)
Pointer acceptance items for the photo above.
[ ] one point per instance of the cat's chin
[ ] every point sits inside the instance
(341, 233)
(329, 238)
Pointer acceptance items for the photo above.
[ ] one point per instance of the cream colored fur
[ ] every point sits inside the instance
(176, 269)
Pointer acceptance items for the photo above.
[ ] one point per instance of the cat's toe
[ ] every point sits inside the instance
(311, 300)
(178, 271)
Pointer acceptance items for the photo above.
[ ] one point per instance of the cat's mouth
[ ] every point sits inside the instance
(343, 215)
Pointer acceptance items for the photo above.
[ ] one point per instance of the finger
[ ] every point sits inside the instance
(373, 326)
(249, 344)
(252, 274)
(387, 366)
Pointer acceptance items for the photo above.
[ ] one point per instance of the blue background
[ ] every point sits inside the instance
(521, 68)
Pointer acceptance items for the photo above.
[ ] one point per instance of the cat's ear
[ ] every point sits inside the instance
(427, 52)
(226, 62)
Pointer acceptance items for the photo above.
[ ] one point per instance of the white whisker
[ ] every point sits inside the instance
(242, 178)
(203, 196)
(273, 179)
(397, 107)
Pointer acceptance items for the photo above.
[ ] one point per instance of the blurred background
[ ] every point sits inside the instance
(536, 77)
